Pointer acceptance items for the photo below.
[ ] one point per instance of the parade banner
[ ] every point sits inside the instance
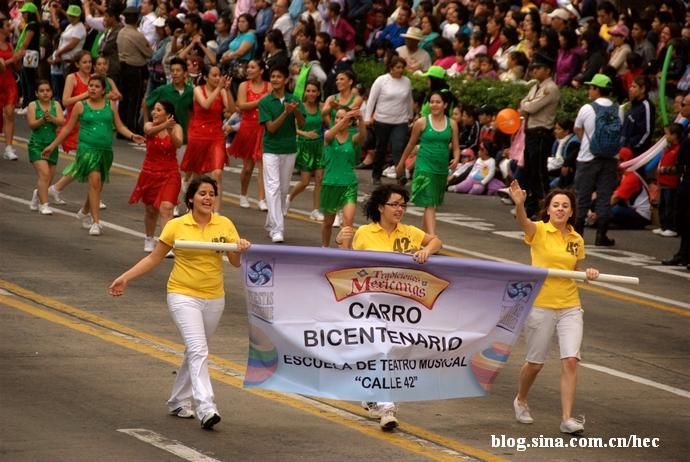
(377, 326)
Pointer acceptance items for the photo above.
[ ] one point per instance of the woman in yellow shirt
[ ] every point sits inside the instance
(385, 209)
(554, 244)
(196, 297)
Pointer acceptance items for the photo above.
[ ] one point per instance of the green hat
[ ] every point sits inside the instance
(600, 80)
(28, 7)
(435, 71)
(73, 10)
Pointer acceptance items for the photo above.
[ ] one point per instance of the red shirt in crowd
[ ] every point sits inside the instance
(667, 164)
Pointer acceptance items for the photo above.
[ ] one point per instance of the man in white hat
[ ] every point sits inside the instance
(559, 19)
(417, 59)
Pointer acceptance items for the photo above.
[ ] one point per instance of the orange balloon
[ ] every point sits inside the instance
(508, 121)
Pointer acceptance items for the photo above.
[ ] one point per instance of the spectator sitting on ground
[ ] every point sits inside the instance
(630, 206)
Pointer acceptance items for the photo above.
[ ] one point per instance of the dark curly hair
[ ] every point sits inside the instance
(379, 197)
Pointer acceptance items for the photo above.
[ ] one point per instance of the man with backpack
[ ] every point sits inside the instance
(598, 126)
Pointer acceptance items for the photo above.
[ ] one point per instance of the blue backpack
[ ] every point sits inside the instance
(606, 140)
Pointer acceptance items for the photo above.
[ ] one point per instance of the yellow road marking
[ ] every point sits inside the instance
(107, 330)
(586, 287)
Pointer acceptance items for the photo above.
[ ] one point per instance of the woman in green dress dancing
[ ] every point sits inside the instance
(434, 133)
(44, 116)
(96, 117)
(310, 149)
(339, 186)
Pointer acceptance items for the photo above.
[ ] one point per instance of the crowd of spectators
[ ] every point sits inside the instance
(615, 55)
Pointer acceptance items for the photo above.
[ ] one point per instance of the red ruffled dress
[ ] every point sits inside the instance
(247, 142)
(9, 95)
(205, 138)
(80, 87)
(159, 180)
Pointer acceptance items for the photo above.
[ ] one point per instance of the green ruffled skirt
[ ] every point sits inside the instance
(89, 159)
(334, 197)
(428, 189)
(37, 147)
(309, 155)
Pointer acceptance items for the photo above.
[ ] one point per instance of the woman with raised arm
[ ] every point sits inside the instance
(557, 308)
(247, 142)
(206, 141)
(196, 297)
(96, 117)
(159, 182)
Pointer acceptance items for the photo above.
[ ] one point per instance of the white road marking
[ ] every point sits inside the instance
(637, 379)
(166, 444)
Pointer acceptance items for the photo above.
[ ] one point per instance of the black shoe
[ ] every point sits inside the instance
(675, 260)
(604, 241)
(377, 182)
(363, 166)
(402, 181)
(210, 420)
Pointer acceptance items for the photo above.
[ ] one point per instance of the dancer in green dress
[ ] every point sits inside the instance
(310, 149)
(44, 116)
(96, 117)
(434, 133)
(339, 186)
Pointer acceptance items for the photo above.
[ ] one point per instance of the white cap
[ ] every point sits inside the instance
(159, 22)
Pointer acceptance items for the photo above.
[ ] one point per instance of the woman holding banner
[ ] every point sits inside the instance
(385, 209)
(196, 298)
(554, 244)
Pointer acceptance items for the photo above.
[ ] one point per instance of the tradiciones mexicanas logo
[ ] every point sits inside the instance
(259, 274)
(414, 284)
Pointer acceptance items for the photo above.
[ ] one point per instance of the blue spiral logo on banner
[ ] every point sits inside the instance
(519, 290)
(260, 273)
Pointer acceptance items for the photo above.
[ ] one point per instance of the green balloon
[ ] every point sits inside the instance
(662, 86)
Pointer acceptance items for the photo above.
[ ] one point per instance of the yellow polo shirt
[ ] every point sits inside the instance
(403, 239)
(198, 273)
(550, 250)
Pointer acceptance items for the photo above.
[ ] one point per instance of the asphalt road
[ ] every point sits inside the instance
(85, 376)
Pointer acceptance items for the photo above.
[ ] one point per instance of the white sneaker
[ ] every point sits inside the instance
(176, 211)
(149, 244)
(44, 209)
(507, 201)
(244, 202)
(182, 412)
(668, 233)
(657, 231)
(262, 205)
(573, 425)
(55, 194)
(10, 153)
(96, 229)
(338, 220)
(277, 238)
(373, 409)
(86, 219)
(20, 111)
(33, 205)
(388, 420)
(522, 413)
(389, 172)
(101, 205)
(316, 215)
(286, 209)
(503, 192)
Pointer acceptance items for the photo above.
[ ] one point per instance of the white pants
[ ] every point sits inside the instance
(196, 320)
(277, 174)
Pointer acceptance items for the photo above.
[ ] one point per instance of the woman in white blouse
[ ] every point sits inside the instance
(389, 109)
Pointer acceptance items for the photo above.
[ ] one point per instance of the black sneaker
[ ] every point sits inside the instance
(604, 241)
(210, 420)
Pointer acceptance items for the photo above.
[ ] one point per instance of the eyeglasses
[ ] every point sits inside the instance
(396, 205)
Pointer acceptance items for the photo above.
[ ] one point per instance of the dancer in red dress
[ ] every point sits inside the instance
(247, 142)
(206, 141)
(9, 94)
(76, 89)
(158, 185)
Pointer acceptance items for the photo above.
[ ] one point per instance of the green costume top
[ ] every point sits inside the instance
(340, 159)
(44, 134)
(312, 123)
(284, 140)
(96, 127)
(432, 156)
(333, 111)
(182, 102)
